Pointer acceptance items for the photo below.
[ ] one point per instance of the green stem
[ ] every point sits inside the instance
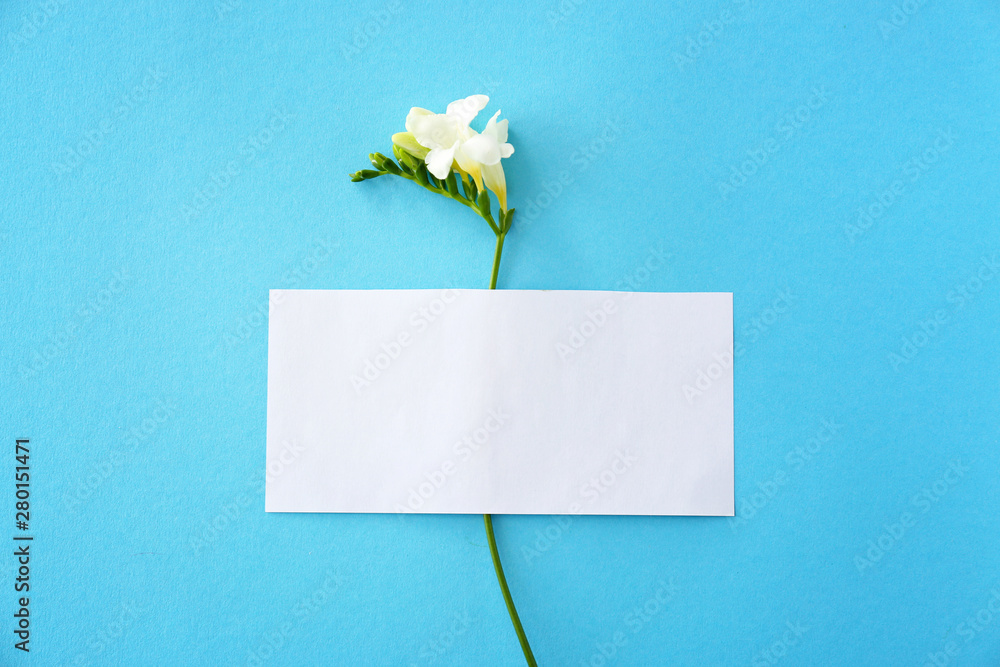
(496, 260)
(521, 637)
(488, 520)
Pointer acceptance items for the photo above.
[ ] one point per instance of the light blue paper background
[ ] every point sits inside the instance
(155, 549)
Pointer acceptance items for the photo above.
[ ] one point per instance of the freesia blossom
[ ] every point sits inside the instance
(444, 134)
(488, 148)
(445, 142)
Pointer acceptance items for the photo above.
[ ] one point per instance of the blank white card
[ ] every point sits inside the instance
(500, 402)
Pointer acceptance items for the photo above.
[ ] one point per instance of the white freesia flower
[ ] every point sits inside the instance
(444, 134)
(449, 142)
(488, 148)
(491, 145)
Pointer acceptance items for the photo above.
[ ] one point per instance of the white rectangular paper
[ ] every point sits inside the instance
(500, 402)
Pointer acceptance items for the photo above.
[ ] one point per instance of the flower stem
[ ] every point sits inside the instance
(488, 520)
(496, 260)
(521, 637)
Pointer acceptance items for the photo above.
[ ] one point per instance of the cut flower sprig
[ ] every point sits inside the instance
(439, 151)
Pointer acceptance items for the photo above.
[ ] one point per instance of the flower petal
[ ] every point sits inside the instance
(465, 110)
(482, 148)
(434, 131)
(501, 130)
(497, 132)
(491, 125)
(497, 182)
(415, 113)
(409, 143)
(439, 161)
(469, 166)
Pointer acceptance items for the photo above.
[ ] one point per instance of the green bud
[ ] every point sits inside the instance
(421, 174)
(411, 162)
(368, 173)
(470, 189)
(483, 202)
(390, 166)
(399, 153)
(509, 219)
(379, 161)
(408, 143)
(452, 183)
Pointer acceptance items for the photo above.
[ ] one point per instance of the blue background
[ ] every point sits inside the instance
(134, 299)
